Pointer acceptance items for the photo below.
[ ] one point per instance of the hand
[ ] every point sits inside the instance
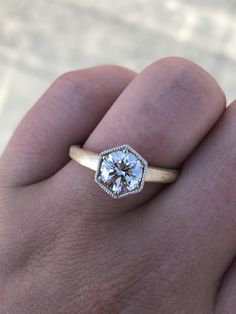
(67, 247)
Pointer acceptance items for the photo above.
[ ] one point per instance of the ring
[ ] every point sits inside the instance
(121, 171)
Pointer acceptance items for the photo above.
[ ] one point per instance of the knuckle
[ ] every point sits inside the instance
(188, 78)
(73, 82)
(181, 67)
(118, 71)
(186, 74)
(72, 88)
(180, 82)
(88, 85)
(89, 77)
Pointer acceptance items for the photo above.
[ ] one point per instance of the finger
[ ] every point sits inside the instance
(67, 113)
(200, 207)
(163, 114)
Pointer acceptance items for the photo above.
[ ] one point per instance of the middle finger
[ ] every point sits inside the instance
(163, 114)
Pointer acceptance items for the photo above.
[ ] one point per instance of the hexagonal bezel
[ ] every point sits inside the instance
(106, 152)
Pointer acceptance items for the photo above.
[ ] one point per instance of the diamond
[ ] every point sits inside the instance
(121, 171)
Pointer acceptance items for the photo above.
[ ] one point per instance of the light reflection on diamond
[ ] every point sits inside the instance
(121, 171)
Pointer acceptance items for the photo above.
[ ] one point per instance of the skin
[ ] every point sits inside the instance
(67, 247)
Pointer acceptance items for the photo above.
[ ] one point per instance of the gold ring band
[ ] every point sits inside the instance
(90, 160)
(93, 161)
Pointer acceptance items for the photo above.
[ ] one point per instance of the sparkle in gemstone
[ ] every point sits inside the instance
(121, 171)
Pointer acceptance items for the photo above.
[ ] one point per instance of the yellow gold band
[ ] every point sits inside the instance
(90, 160)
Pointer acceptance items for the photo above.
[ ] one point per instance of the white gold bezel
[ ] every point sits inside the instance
(108, 151)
